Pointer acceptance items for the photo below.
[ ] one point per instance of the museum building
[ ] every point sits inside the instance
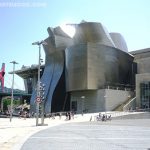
(91, 72)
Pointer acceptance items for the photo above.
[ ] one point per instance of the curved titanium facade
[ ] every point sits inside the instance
(92, 66)
(92, 32)
(93, 61)
(119, 41)
(57, 65)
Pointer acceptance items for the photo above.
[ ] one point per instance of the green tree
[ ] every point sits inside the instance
(7, 102)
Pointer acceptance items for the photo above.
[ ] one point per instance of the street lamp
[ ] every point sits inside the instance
(38, 98)
(12, 91)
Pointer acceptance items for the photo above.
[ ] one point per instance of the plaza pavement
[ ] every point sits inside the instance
(14, 134)
(128, 134)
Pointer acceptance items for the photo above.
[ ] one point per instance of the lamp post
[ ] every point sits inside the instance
(12, 91)
(38, 98)
(42, 92)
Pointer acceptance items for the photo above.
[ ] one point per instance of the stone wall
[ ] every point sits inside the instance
(99, 100)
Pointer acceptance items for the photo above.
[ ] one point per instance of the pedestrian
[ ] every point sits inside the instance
(25, 114)
(66, 115)
(59, 116)
(90, 118)
(69, 115)
(103, 118)
(109, 117)
(19, 113)
(99, 115)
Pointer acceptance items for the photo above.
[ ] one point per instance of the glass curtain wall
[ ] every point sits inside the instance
(145, 95)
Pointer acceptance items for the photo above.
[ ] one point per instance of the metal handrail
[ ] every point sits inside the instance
(124, 107)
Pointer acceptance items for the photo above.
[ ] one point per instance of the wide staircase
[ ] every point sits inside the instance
(126, 105)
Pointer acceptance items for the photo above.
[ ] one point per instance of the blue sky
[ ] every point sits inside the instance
(25, 21)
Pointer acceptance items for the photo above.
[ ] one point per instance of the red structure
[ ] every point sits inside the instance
(2, 73)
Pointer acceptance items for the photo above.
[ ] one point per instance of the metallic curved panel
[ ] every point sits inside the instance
(76, 67)
(45, 79)
(92, 66)
(56, 61)
(52, 73)
(58, 39)
(119, 41)
(54, 65)
(92, 32)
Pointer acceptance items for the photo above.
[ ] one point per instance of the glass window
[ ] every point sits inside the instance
(145, 94)
(74, 105)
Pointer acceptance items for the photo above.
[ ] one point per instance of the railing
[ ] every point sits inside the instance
(129, 105)
(125, 87)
